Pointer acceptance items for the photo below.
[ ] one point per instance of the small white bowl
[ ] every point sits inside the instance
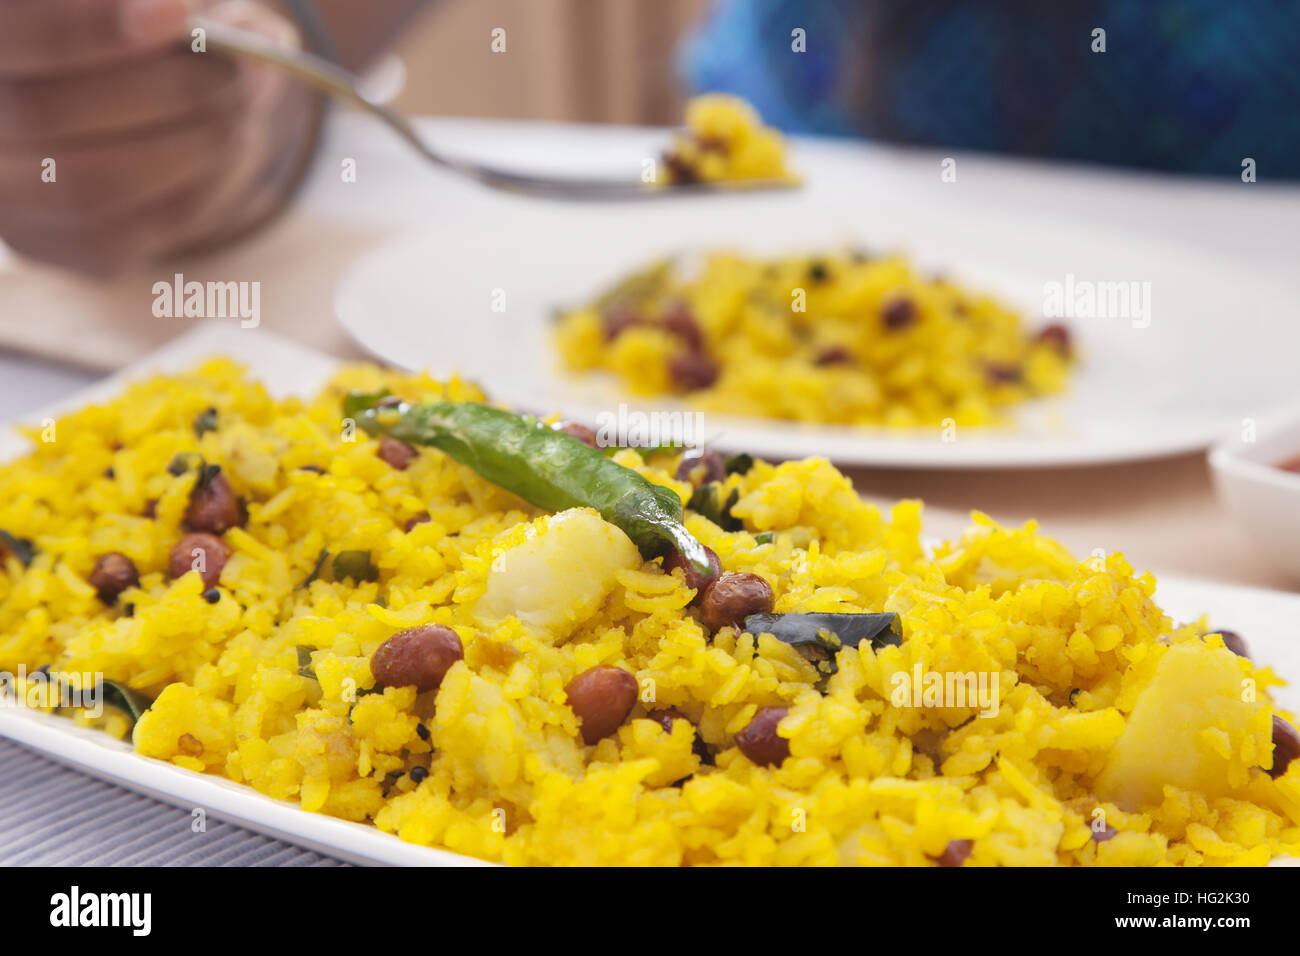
(1264, 498)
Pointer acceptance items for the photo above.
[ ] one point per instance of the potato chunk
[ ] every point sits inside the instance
(1190, 728)
(558, 577)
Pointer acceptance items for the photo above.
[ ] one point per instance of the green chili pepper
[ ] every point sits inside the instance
(545, 467)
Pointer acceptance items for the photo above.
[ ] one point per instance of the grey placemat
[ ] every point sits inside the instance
(51, 815)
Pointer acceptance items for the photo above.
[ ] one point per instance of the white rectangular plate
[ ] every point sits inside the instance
(1268, 620)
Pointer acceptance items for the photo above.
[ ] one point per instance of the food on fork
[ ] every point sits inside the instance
(724, 140)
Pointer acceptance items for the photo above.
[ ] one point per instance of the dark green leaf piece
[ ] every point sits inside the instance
(355, 565)
(707, 501)
(819, 637)
(738, 464)
(20, 548)
(205, 421)
(113, 694)
(116, 694)
(848, 630)
(316, 569)
(183, 461)
(304, 661)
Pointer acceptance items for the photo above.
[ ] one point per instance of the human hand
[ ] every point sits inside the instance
(120, 144)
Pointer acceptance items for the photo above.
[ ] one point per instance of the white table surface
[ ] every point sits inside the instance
(1257, 225)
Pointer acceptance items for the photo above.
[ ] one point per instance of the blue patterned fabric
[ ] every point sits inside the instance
(1193, 86)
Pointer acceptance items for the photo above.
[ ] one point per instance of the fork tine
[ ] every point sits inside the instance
(597, 190)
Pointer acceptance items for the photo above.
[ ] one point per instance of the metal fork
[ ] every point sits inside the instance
(329, 78)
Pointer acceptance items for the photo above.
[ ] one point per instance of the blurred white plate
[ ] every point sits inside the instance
(1267, 620)
(1221, 344)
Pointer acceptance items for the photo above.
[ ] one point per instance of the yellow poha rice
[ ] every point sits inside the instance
(724, 140)
(839, 338)
(1118, 738)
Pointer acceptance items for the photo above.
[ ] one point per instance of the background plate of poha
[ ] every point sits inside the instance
(476, 292)
(1266, 619)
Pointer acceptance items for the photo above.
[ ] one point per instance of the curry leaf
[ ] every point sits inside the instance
(205, 421)
(707, 501)
(355, 565)
(819, 637)
(831, 631)
(21, 548)
(738, 464)
(183, 461)
(111, 693)
(316, 568)
(116, 694)
(304, 661)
